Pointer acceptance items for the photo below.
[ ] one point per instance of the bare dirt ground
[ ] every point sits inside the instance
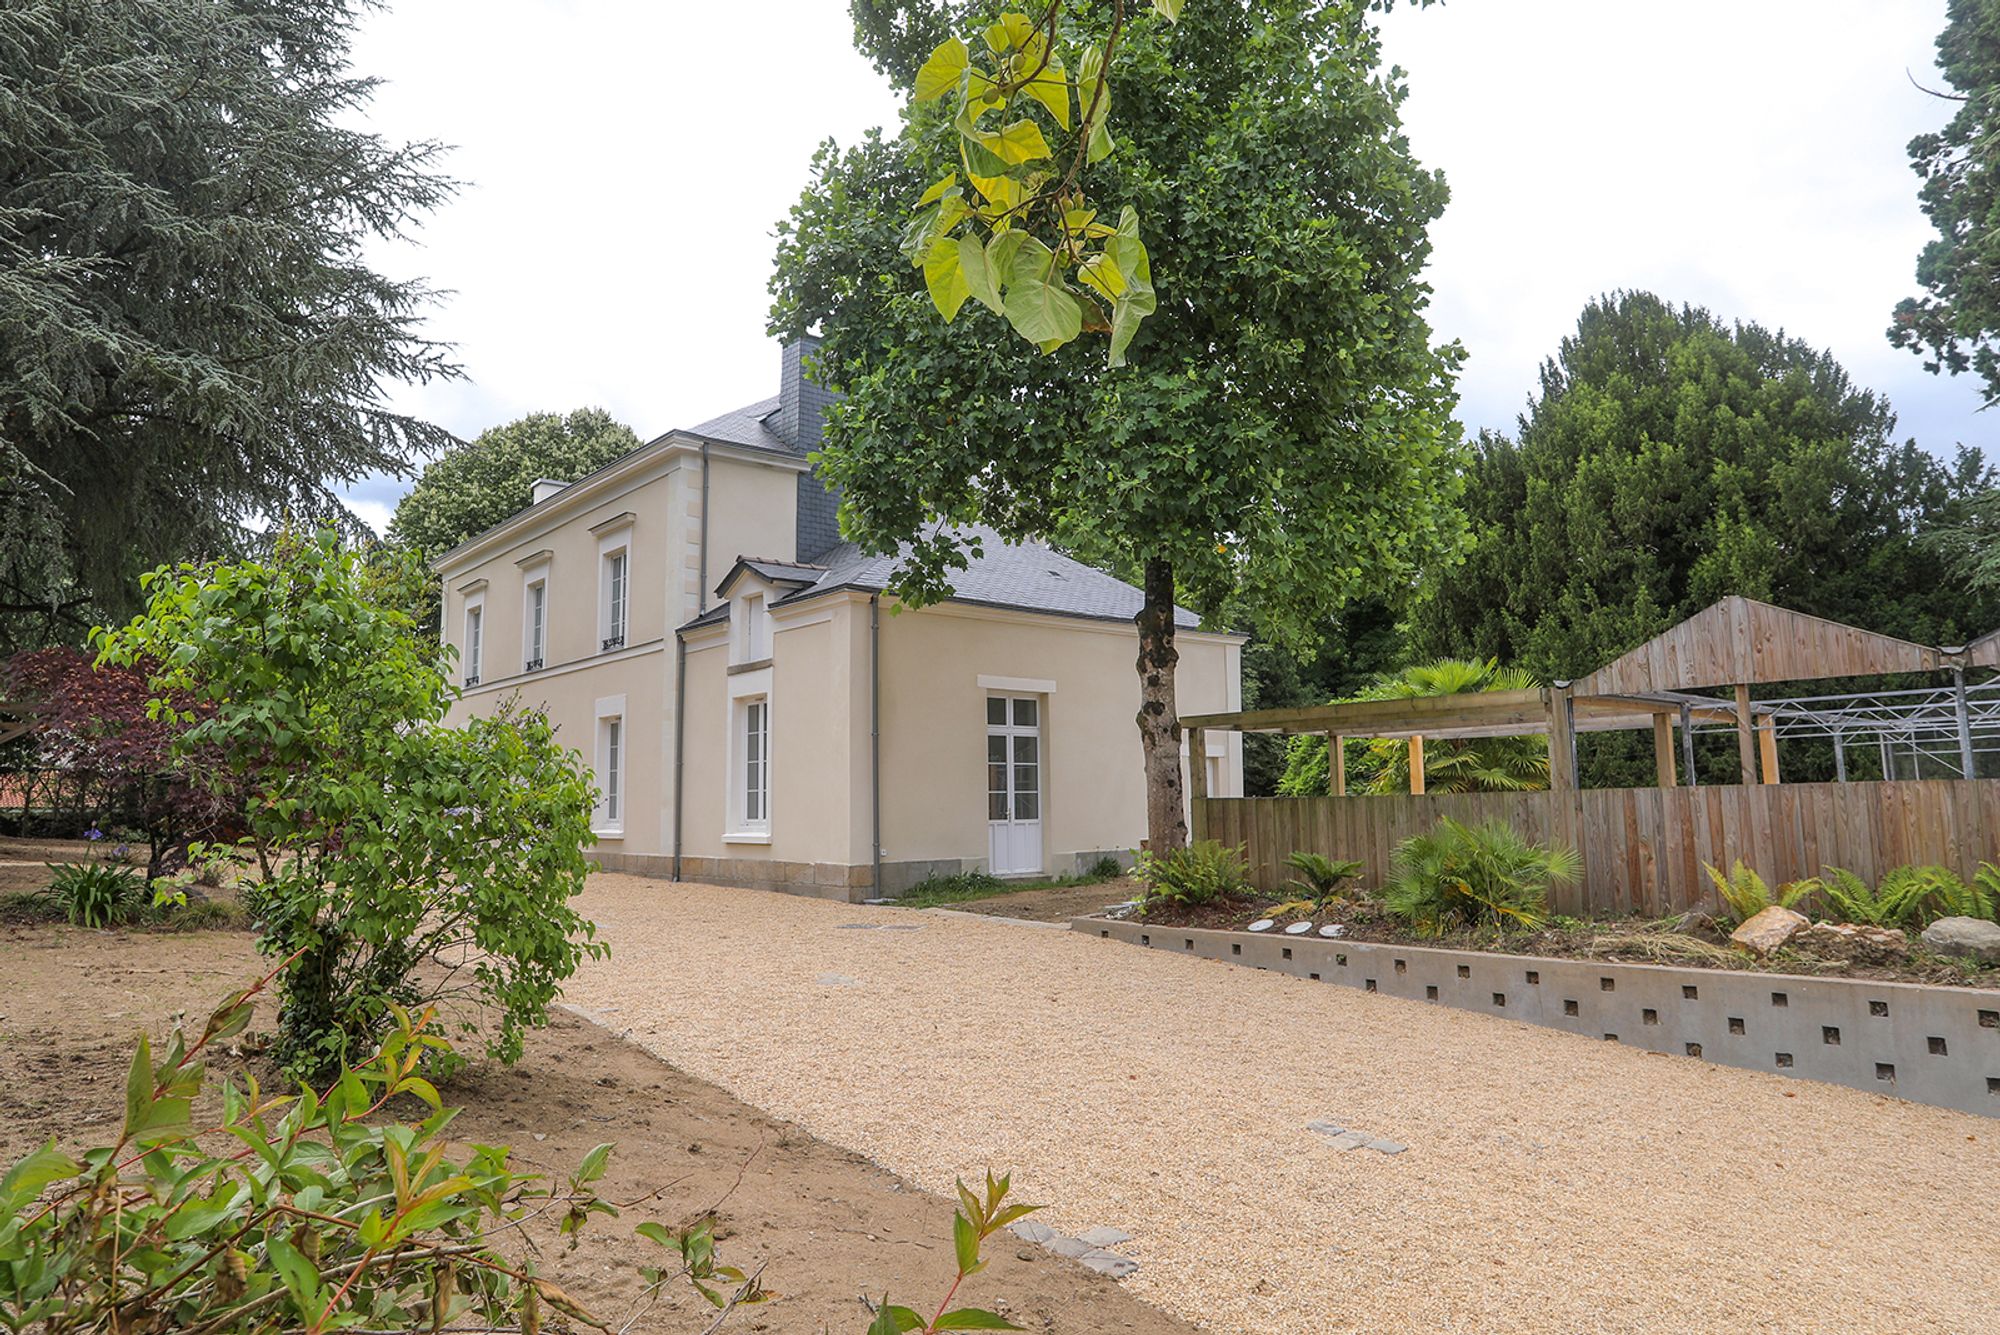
(827, 1225)
(1551, 1183)
(1057, 904)
(24, 863)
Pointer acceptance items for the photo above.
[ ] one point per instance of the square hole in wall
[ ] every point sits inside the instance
(1649, 1016)
(1313, 976)
(1607, 984)
(1105, 932)
(1784, 1059)
(1989, 1019)
(1829, 1035)
(1236, 948)
(1735, 1024)
(1878, 1008)
(1611, 1038)
(1402, 966)
(1993, 1084)
(1465, 971)
(1780, 1000)
(1369, 984)
(1689, 992)
(1188, 943)
(1694, 1049)
(1534, 978)
(1499, 998)
(1937, 1046)
(1288, 952)
(1340, 961)
(1885, 1071)
(1431, 992)
(1569, 1008)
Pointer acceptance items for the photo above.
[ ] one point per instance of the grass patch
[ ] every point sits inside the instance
(33, 908)
(933, 891)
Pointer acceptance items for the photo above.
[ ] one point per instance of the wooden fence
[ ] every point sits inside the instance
(1643, 848)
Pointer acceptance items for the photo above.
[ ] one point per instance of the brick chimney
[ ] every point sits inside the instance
(802, 406)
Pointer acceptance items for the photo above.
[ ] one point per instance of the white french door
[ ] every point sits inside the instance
(1013, 784)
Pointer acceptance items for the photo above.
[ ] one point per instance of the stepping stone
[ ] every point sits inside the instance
(838, 980)
(1109, 1263)
(902, 927)
(1348, 1140)
(1262, 925)
(1326, 1128)
(1387, 1146)
(857, 927)
(1334, 929)
(1104, 1237)
(1031, 1230)
(1074, 1248)
(1298, 929)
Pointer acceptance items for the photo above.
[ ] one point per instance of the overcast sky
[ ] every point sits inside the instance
(626, 161)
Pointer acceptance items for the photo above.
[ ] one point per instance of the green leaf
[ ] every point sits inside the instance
(1051, 89)
(1169, 9)
(1043, 312)
(936, 192)
(973, 1318)
(139, 1087)
(1014, 32)
(941, 73)
(1021, 141)
(1100, 273)
(978, 274)
(594, 1163)
(945, 277)
(965, 1242)
(298, 1274)
(25, 1180)
(891, 1320)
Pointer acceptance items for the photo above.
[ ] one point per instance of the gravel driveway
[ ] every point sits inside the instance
(1551, 1183)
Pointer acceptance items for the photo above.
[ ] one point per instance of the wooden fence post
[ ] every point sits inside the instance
(1565, 797)
(1336, 764)
(1198, 783)
(1663, 750)
(1746, 745)
(1767, 747)
(1417, 766)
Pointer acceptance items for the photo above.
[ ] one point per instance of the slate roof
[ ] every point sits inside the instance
(1026, 577)
(753, 425)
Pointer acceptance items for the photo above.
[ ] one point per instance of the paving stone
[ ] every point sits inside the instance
(1109, 1263)
(1388, 1146)
(1070, 1247)
(1348, 1140)
(1326, 1128)
(1104, 1237)
(1032, 1230)
(838, 980)
(902, 927)
(857, 927)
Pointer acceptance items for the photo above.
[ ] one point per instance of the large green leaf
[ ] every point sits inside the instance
(1014, 32)
(25, 1180)
(942, 71)
(974, 1318)
(1021, 141)
(1043, 311)
(1051, 89)
(944, 275)
(979, 276)
(1170, 9)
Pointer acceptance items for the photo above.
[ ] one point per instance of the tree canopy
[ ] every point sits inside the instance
(191, 340)
(1282, 432)
(1671, 459)
(472, 487)
(1955, 324)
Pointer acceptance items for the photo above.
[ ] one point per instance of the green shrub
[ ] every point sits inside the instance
(1106, 868)
(1201, 873)
(1473, 875)
(1848, 898)
(1745, 894)
(98, 894)
(392, 841)
(1942, 893)
(1321, 877)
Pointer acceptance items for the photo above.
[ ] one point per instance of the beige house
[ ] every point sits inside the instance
(756, 709)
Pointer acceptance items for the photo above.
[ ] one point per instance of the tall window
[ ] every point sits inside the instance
(538, 625)
(614, 770)
(756, 796)
(475, 643)
(615, 567)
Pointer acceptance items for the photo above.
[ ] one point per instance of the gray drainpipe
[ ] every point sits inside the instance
(875, 734)
(680, 664)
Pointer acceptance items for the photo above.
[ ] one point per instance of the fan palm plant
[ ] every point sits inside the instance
(1470, 875)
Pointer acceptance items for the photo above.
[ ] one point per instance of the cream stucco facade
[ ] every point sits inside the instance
(755, 718)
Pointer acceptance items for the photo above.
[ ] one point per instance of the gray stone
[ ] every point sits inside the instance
(902, 927)
(838, 980)
(857, 927)
(1973, 937)
(1104, 1237)
(1074, 1248)
(1031, 1230)
(1348, 1140)
(1388, 1146)
(1109, 1263)
(1326, 1128)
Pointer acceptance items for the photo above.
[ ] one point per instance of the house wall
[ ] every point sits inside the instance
(934, 729)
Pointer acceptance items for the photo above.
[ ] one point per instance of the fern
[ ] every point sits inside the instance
(1745, 894)
(1320, 877)
(1943, 894)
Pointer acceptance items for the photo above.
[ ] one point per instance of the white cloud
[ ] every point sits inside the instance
(626, 164)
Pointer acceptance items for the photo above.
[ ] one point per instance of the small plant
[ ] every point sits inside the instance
(1940, 892)
(1201, 873)
(1850, 899)
(1106, 868)
(98, 894)
(975, 1221)
(1468, 875)
(1320, 877)
(1745, 894)
(953, 889)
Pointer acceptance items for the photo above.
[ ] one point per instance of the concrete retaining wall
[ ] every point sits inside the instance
(1938, 1045)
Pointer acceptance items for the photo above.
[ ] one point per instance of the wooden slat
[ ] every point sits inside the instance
(1743, 640)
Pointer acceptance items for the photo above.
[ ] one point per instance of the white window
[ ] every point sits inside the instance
(616, 567)
(750, 770)
(612, 747)
(751, 640)
(475, 641)
(536, 635)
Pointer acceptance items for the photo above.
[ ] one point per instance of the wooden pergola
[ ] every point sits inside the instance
(1670, 682)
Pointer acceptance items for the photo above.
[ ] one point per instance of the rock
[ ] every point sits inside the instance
(1973, 937)
(1768, 929)
(1074, 1248)
(1032, 1230)
(1854, 942)
(1104, 1237)
(1109, 1263)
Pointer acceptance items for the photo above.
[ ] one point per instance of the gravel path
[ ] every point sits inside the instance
(1551, 1183)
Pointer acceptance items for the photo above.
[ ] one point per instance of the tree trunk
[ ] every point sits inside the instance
(1159, 718)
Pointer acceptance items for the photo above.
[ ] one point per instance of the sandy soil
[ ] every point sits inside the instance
(24, 863)
(1551, 1184)
(826, 1224)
